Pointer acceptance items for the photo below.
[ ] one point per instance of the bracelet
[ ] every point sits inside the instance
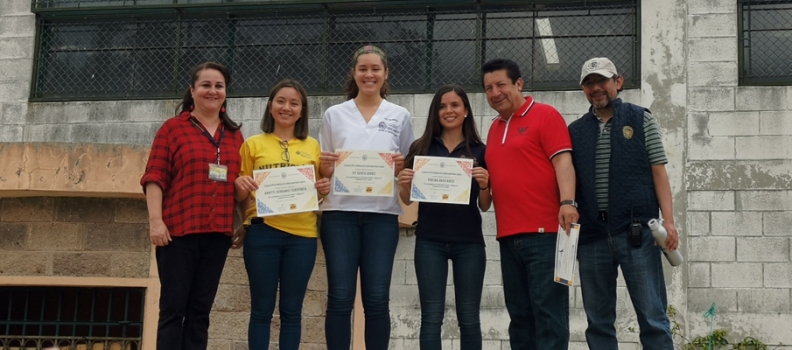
(484, 188)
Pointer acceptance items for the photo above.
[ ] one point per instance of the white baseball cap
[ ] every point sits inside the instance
(598, 65)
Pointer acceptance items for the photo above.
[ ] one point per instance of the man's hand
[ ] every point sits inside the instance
(672, 241)
(566, 216)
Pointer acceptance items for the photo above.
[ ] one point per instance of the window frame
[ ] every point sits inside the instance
(744, 56)
(180, 11)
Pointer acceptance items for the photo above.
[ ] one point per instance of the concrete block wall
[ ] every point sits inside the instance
(728, 146)
(738, 186)
(74, 237)
(17, 28)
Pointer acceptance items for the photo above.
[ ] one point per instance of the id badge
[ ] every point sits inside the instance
(218, 172)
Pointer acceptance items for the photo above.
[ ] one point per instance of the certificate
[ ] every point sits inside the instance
(285, 190)
(364, 173)
(441, 180)
(566, 254)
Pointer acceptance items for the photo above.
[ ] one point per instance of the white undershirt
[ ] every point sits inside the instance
(343, 127)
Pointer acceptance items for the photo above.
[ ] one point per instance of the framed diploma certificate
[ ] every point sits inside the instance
(364, 173)
(285, 190)
(441, 180)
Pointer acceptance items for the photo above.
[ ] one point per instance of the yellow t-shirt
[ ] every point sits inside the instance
(264, 151)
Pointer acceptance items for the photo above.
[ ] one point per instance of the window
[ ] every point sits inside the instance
(766, 39)
(101, 50)
(71, 318)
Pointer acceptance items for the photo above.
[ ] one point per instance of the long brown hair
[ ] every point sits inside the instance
(351, 89)
(434, 128)
(187, 101)
(301, 126)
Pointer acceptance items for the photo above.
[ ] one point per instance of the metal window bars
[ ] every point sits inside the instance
(148, 54)
(765, 30)
(71, 318)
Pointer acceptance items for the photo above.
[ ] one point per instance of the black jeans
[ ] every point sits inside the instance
(189, 271)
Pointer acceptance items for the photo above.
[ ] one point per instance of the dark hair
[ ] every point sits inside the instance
(434, 128)
(351, 89)
(301, 126)
(187, 101)
(511, 67)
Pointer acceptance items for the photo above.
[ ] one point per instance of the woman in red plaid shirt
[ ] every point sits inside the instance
(189, 186)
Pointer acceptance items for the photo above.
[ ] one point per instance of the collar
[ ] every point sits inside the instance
(185, 115)
(522, 111)
(439, 142)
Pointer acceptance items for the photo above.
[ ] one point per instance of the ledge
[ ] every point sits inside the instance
(71, 169)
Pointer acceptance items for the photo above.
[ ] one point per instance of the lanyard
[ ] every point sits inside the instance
(211, 138)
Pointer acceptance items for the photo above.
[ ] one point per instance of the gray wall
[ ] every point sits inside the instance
(730, 159)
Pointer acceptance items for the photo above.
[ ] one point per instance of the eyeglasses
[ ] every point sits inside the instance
(285, 155)
(588, 84)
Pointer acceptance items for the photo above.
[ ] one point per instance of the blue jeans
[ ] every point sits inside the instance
(538, 307)
(643, 274)
(272, 257)
(431, 268)
(367, 241)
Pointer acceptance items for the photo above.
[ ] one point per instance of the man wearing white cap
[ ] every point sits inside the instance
(622, 183)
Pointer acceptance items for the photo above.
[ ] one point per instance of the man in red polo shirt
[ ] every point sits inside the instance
(533, 188)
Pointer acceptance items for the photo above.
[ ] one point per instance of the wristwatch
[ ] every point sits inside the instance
(569, 202)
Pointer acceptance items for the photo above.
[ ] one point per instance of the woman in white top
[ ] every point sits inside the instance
(362, 232)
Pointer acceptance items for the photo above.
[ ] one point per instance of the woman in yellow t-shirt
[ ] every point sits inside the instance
(279, 249)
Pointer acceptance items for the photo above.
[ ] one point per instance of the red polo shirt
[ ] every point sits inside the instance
(523, 180)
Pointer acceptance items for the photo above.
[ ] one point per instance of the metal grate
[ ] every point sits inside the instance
(71, 318)
(148, 55)
(766, 33)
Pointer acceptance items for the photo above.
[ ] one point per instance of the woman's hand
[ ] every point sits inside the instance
(398, 163)
(481, 176)
(159, 233)
(245, 184)
(405, 178)
(327, 162)
(323, 186)
(238, 239)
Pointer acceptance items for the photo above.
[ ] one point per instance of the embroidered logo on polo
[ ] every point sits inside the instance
(521, 130)
(390, 126)
(627, 131)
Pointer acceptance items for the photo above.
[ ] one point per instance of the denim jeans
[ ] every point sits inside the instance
(189, 271)
(643, 274)
(538, 307)
(367, 241)
(275, 257)
(469, 260)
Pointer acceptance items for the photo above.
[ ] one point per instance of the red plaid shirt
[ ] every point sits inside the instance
(179, 164)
